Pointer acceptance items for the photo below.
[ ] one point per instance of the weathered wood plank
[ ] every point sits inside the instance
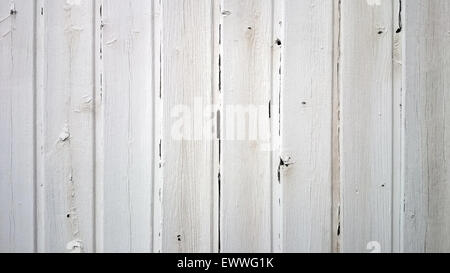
(278, 34)
(426, 137)
(128, 125)
(306, 115)
(99, 128)
(66, 126)
(17, 227)
(336, 131)
(366, 136)
(186, 155)
(246, 167)
(157, 208)
(397, 125)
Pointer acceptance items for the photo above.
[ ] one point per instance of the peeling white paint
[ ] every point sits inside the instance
(75, 246)
(65, 134)
(97, 183)
(111, 42)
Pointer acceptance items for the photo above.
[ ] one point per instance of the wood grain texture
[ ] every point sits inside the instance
(398, 119)
(278, 34)
(246, 167)
(120, 127)
(336, 132)
(66, 127)
(366, 120)
(17, 227)
(426, 138)
(157, 208)
(306, 105)
(99, 134)
(128, 125)
(186, 156)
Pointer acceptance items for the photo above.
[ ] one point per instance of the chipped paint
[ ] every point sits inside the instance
(68, 177)
(75, 246)
(65, 134)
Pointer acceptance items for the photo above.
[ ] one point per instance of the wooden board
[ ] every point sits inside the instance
(65, 120)
(127, 105)
(246, 166)
(17, 226)
(306, 115)
(398, 118)
(426, 139)
(186, 157)
(366, 125)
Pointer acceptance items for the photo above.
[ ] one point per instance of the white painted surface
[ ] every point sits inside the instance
(426, 179)
(187, 166)
(397, 125)
(366, 125)
(127, 102)
(65, 118)
(306, 103)
(246, 164)
(17, 227)
(352, 99)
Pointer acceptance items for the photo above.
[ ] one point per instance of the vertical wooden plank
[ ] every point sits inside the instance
(426, 137)
(366, 139)
(336, 131)
(17, 126)
(217, 119)
(128, 130)
(397, 125)
(306, 105)
(157, 208)
(186, 155)
(278, 35)
(66, 127)
(99, 128)
(40, 125)
(246, 168)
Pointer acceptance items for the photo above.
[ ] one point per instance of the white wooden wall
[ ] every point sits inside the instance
(354, 94)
